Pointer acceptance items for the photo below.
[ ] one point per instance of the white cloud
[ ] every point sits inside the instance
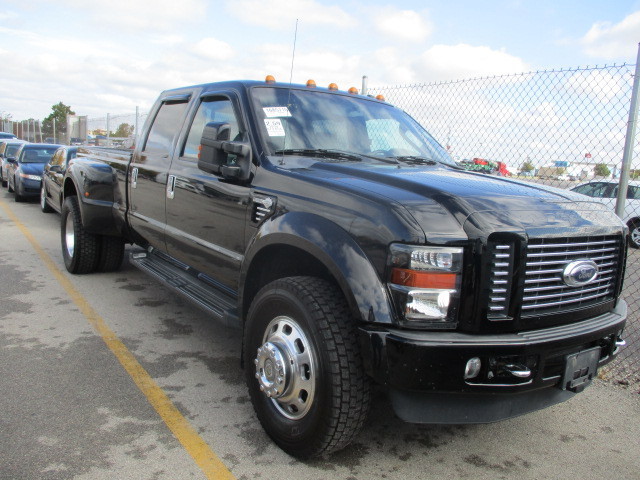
(8, 16)
(449, 62)
(593, 83)
(278, 14)
(213, 49)
(150, 15)
(406, 25)
(613, 41)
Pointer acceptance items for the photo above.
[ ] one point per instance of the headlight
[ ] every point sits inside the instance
(31, 177)
(425, 284)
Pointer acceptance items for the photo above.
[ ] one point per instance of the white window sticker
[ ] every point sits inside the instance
(273, 112)
(274, 127)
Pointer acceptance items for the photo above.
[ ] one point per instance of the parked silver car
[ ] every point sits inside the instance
(606, 191)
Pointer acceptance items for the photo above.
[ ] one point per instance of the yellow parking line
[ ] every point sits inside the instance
(199, 450)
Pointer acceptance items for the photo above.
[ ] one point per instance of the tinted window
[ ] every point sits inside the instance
(211, 110)
(633, 193)
(594, 189)
(165, 126)
(58, 157)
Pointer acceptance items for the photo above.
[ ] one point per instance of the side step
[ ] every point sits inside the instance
(222, 306)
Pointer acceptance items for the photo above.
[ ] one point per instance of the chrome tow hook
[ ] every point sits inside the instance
(518, 371)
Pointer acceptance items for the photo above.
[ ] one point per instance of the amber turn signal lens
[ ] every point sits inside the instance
(412, 278)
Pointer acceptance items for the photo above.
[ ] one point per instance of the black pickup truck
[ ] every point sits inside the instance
(349, 248)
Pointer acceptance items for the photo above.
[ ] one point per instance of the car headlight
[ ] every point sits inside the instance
(425, 284)
(31, 177)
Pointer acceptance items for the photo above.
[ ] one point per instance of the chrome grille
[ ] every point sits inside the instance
(500, 281)
(544, 288)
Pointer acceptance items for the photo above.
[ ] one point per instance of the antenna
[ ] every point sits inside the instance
(293, 57)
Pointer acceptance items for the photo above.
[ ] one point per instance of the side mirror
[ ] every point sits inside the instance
(55, 168)
(220, 156)
(11, 159)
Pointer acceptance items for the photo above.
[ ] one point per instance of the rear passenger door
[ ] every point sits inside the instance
(206, 214)
(149, 171)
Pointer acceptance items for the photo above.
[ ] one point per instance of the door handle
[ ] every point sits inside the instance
(134, 177)
(171, 186)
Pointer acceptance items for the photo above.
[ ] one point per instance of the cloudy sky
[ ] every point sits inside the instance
(109, 57)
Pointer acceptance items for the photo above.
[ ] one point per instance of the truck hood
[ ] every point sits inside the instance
(446, 202)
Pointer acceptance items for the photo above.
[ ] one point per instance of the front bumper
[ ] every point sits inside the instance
(28, 188)
(424, 371)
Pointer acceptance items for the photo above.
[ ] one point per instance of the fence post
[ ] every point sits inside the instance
(108, 130)
(629, 142)
(135, 139)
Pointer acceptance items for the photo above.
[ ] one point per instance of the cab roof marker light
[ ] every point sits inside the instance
(380, 97)
(270, 79)
(333, 86)
(311, 83)
(353, 90)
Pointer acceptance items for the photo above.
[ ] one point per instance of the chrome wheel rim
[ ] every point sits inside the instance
(285, 369)
(69, 236)
(635, 235)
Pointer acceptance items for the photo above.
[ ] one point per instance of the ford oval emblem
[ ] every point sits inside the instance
(580, 272)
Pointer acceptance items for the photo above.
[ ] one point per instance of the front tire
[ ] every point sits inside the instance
(44, 206)
(634, 233)
(16, 196)
(303, 366)
(80, 249)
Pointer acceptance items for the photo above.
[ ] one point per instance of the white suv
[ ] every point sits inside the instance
(606, 191)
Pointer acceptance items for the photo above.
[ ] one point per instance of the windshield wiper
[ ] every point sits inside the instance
(320, 152)
(416, 159)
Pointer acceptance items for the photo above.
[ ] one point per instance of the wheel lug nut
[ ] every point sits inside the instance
(262, 388)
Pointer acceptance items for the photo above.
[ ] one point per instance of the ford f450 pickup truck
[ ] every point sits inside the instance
(349, 248)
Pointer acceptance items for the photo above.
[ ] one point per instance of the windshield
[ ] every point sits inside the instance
(293, 120)
(11, 150)
(37, 155)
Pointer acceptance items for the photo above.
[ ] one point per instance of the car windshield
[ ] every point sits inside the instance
(11, 150)
(37, 155)
(308, 122)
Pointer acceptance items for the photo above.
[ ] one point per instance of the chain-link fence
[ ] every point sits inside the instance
(564, 128)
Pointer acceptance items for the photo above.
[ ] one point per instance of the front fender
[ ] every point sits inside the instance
(334, 248)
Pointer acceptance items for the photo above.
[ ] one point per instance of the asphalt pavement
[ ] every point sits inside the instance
(74, 403)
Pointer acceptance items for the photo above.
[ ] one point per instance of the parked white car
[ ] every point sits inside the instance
(606, 191)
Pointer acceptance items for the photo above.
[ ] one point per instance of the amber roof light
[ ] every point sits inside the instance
(311, 83)
(333, 86)
(270, 79)
(353, 90)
